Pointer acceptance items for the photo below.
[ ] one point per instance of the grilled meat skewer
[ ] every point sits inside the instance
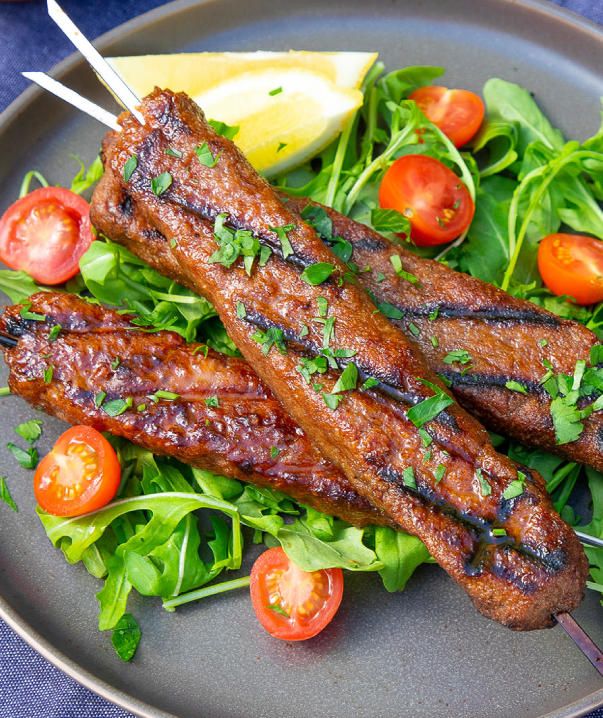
(436, 493)
(505, 338)
(233, 433)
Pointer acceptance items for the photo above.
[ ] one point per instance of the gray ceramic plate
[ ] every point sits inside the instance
(425, 652)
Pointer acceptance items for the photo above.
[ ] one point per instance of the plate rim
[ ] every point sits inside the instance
(10, 615)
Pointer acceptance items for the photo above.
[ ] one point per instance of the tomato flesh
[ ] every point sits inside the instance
(572, 264)
(291, 604)
(80, 474)
(458, 113)
(46, 233)
(433, 198)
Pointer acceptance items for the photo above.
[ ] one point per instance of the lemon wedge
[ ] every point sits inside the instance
(287, 105)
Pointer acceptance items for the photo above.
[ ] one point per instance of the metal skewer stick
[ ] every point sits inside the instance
(565, 620)
(58, 89)
(113, 81)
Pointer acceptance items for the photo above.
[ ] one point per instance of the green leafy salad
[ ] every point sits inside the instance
(172, 530)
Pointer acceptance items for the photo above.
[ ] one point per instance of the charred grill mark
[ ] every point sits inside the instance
(125, 206)
(493, 315)
(484, 381)
(368, 244)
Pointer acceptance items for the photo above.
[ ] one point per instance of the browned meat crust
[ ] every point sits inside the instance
(540, 568)
(508, 339)
(233, 438)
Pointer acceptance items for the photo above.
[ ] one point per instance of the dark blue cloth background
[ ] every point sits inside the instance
(30, 687)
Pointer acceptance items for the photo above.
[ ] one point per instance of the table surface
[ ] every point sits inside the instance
(30, 687)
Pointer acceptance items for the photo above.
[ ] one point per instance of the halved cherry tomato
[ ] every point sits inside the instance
(433, 198)
(46, 233)
(79, 475)
(458, 113)
(572, 264)
(290, 603)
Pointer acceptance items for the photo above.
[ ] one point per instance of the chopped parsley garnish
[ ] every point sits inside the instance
(272, 337)
(274, 606)
(117, 406)
(429, 408)
(212, 401)
(129, 167)
(241, 311)
(425, 437)
(141, 407)
(205, 156)
(459, 355)
(484, 486)
(427, 456)
(276, 91)
(265, 253)
(47, 375)
(281, 146)
(312, 366)
(397, 264)
(233, 244)
(566, 418)
(99, 398)
(369, 383)
(322, 224)
(54, 332)
(317, 387)
(434, 342)
(347, 380)
(322, 306)
(380, 277)
(5, 495)
(115, 363)
(28, 459)
(327, 331)
(284, 240)
(160, 184)
(221, 128)
(168, 395)
(439, 473)
(516, 386)
(34, 316)
(409, 477)
(332, 400)
(414, 329)
(499, 532)
(304, 331)
(274, 451)
(173, 243)
(543, 342)
(515, 488)
(317, 273)
(389, 220)
(173, 153)
(434, 315)
(389, 310)
(29, 430)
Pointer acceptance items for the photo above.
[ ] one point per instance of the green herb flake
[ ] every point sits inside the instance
(117, 406)
(327, 331)
(161, 183)
(5, 495)
(273, 337)
(317, 387)
(274, 451)
(28, 459)
(265, 253)
(54, 332)
(284, 240)
(281, 146)
(33, 316)
(202, 348)
(322, 306)
(317, 273)
(205, 156)
(566, 419)
(484, 486)
(115, 363)
(397, 264)
(304, 331)
(409, 477)
(439, 473)
(332, 400)
(429, 408)
(434, 315)
(427, 456)
(212, 401)
(579, 370)
(30, 430)
(173, 153)
(434, 342)
(458, 355)
(47, 374)
(543, 342)
(126, 637)
(348, 379)
(241, 311)
(276, 91)
(516, 386)
(274, 606)
(141, 407)
(515, 488)
(129, 167)
(414, 329)
(370, 383)
(167, 395)
(173, 243)
(380, 277)
(425, 437)
(499, 532)
(390, 311)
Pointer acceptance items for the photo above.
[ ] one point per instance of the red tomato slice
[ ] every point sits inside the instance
(572, 264)
(458, 113)
(290, 603)
(80, 474)
(433, 198)
(46, 233)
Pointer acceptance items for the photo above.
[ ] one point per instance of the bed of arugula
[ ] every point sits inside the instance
(172, 530)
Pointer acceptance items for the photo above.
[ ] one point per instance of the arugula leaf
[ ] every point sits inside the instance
(566, 419)
(399, 84)
(317, 273)
(390, 220)
(126, 637)
(228, 131)
(429, 408)
(205, 156)
(500, 137)
(400, 555)
(516, 386)
(347, 380)
(28, 459)
(113, 596)
(284, 240)
(5, 495)
(18, 285)
(85, 179)
(30, 430)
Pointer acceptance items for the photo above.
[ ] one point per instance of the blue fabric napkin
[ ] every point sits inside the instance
(30, 687)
